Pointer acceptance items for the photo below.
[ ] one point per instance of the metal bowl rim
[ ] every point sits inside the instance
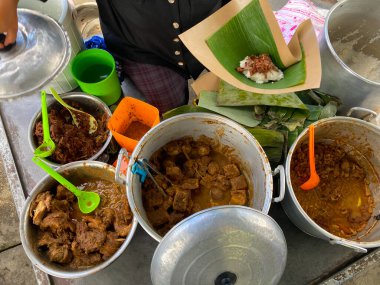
(69, 95)
(216, 118)
(24, 219)
(289, 186)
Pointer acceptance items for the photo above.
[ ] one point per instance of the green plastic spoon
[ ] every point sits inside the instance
(47, 147)
(87, 201)
(77, 115)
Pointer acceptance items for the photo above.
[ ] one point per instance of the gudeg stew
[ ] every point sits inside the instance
(203, 174)
(72, 143)
(77, 240)
(342, 203)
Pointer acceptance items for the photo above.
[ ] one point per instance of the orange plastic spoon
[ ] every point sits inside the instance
(314, 178)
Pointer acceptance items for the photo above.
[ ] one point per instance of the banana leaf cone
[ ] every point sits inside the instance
(248, 27)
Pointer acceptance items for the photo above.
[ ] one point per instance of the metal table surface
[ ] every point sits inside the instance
(310, 260)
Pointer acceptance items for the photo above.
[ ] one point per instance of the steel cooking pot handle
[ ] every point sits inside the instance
(346, 244)
(119, 176)
(369, 114)
(280, 170)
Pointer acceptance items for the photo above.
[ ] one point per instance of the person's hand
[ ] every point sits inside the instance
(8, 21)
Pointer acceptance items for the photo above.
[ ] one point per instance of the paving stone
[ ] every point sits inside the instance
(365, 271)
(9, 223)
(15, 267)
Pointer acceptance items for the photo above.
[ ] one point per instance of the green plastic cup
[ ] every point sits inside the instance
(95, 72)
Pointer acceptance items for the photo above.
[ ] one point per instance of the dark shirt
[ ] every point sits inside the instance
(147, 31)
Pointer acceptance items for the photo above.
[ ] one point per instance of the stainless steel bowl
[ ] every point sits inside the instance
(228, 133)
(90, 104)
(356, 22)
(357, 135)
(72, 171)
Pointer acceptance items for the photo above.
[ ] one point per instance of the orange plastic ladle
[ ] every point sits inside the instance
(314, 178)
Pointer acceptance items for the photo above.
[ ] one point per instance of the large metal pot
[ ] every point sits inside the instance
(75, 171)
(90, 104)
(351, 20)
(228, 133)
(362, 136)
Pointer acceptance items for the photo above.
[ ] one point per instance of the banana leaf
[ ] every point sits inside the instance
(329, 110)
(259, 109)
(277, 113)
(297, 120)
(274, 154)
(231, 96)
(315, 112)
(184, 109)
(248, 33)
(292, 136)
(268, 138)
(242, 115)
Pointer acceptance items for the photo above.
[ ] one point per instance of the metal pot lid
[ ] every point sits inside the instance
(42, 51)
(221, 245)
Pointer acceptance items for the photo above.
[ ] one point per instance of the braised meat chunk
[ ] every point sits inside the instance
(238, 183)
(202, 176)
(231, 170)
(89, 239)
(40, 206)
(71, 238)
(182, 201)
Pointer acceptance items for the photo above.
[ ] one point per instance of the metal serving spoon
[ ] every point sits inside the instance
(48, 146)
(76, 114)
(87, 201)
(314, 178)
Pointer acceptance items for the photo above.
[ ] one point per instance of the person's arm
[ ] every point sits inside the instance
(8, 21)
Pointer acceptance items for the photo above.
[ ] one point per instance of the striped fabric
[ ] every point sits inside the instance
(162, 87)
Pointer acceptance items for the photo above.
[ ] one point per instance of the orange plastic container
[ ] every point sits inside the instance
(129, 110)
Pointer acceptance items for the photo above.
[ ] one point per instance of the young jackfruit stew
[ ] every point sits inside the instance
(203, 174)
(342, 203)
(71, 238)
(73, 143)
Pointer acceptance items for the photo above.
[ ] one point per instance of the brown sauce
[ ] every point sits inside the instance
(68, 237)
(202, 177)
(136, 130)
(342, 203)
(72, 142)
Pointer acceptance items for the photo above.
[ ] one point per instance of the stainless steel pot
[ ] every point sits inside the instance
(74, 171)
(361, 136)
(222, 245)
(227, 133)
(91, 104)
(351, 20)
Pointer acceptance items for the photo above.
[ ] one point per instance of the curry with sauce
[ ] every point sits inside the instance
(69, 237)
(136, 130)
(203, 174)
(342, 203)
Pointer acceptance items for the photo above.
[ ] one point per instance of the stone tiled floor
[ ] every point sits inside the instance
(15, 267)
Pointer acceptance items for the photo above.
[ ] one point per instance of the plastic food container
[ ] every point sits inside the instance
(129, 110)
